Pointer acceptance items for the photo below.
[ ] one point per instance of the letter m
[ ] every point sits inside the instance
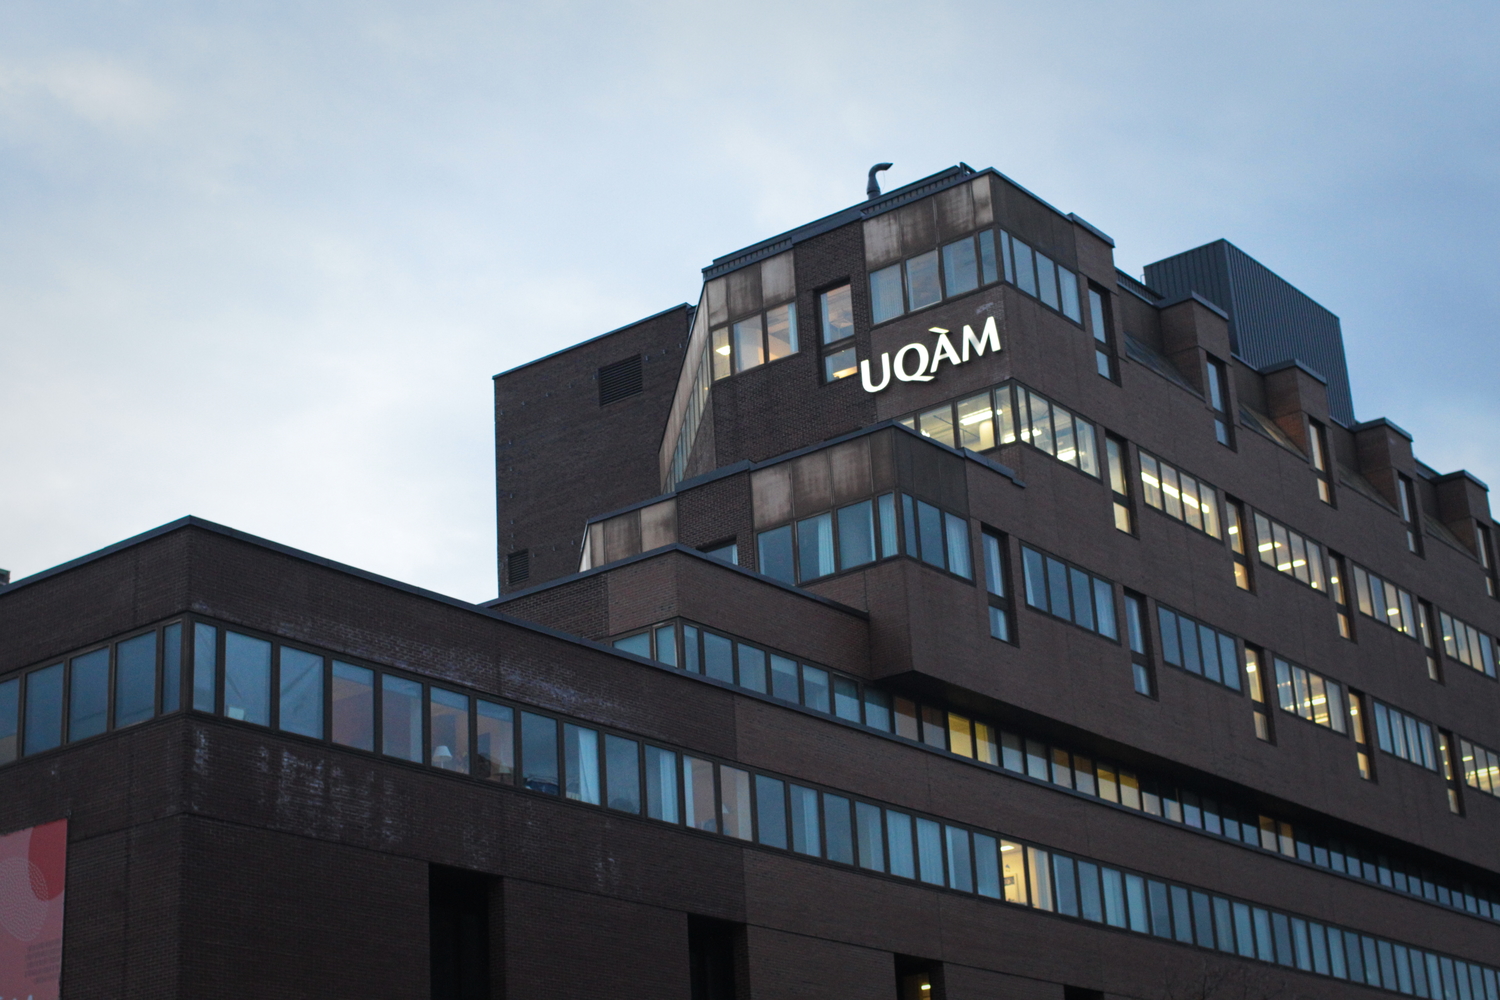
(990, 337)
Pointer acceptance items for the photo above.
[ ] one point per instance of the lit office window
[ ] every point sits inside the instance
(1466, 644)
(1383, 601)
(1119, 482)
(836, 314)
(954, 269)
(1291, 553)
(1405, 736)
(1142, 676)
(751, 342)
(1480, 766)
(1234, 527)
(1178, 495)
(1321, 461)
(1310, 696)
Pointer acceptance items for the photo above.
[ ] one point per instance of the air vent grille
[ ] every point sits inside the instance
(518, 567)
(619, 380)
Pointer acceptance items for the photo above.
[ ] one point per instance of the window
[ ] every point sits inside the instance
(1179, 495)
(400, 717)
(44, 709)
(1288, 552)
(353, 706)
(1405, 736)
(1104, 359)
(851, 536)
(751, 342)
(1047, 426)
(994, 584)
(997, 416)
(1143, 677)
(1310, 696)
(1359, 711)
(1466, 644)
(1257, 684)
(10, 719)
(1384, 601)
(1480, 766)
(1339, 591)
(135, 680)
(937, 537)
(1484, 545)
(1407, 494)
(301, 693)
(1425, 620)
(1445, 745)
(1218, 401)
(494, 742)
(1040, 277)
(724, 552)
(1197, 648)
(1067, 592)
(1119, 482)
(1234, 520)
(836, 313)
(448, 728)
(926, 279)
(247, 678)
(1317, 438)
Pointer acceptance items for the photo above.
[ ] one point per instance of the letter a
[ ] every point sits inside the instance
(944, 349)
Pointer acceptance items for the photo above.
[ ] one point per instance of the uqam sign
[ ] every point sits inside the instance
(915, 363)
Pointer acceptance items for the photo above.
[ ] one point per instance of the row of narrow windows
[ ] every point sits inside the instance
(257, 680)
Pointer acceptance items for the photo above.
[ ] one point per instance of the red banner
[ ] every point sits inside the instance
(33, 865)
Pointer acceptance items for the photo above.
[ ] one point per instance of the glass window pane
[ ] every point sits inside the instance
(840, 364)
(1057, 586)
(877, 709)
(937, 424)
(781, 331)
(722, 353)
(868, 837)
(88, 695)
(929, 851)
(1090, 904)
(775, 554)
(494, 740)
(1041, 423)
(903, 856)
(988, 265)
(1161, 913)
(301, 694)
(171, 668)
(836, 308)
(698, 794)
(1038, 868)
(135, 680)
(888, 543)
(994, 579)
(749, 351)
(10, 719)
(1171, 492)
(581, 762)
(205, 666)
(815, 688)
(639, 644)
(1104, 608)
(886, 301)
(752, 668)
(539, 753)
(960, 268)
(400, 717)
(247, 680)
(1088, 450)
(1004, 413)
(838, 829)
(770, 811)
(1151, 481)
(448, 723)
(976, 423)
(1025, 269)
(857, 534)
(1191, 659)
(734, 787)
(1012, 872)
(922, 288)
(661, 784)
(846, 699)
(1062, 430)
(622, 774)
(666, 644)
(1135, 895)
(958, 546)
(1068, 291)
(807, 837)
(960, 866)
(1083, 598)
(784, 678)
(44, 708)
(353, 706)
(930, 526)
(1046, 277)
(1114, 898)
(1036, 578)
(718, 657)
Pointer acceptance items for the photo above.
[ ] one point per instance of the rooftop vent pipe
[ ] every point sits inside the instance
(872, 189)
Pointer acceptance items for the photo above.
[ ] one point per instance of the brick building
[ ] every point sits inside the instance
(932, 610)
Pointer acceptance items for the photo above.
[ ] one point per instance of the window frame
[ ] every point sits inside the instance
(729, 341)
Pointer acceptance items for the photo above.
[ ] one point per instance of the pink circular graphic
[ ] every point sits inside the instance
(23, 905)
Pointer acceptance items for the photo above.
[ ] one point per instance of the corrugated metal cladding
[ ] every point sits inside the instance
(1270, 320)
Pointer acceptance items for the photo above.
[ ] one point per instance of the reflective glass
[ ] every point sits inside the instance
(734, 791)
(960, 865)
(929, 851)
(958, 546)
(581, 763)
(448, 723)
(1057, 588)
(88, 697)
(1090, 903)
(784, 678)
(247, 680)
(770, 811)
(857, 534)
(622, 773)
(1068, 291)
(722, 353)
(698, 794)
(10, 719)
(846, 699)
(1062, 429)
(836, 309)
(840, 364)
(718, 657)
(639, 644)
(898, 832)
(976, 423)
(838, 829)
(666, 642)
(1104, 606)
(748, 349)
(752, 668)
(922, 288)
(1088, 450)
(775, 554)
(994, 579)
(960, 268)
(1041, 423)
(930, 527)
(44, 708)
(494, 741)
(781, 332)
(886, 301)
(661, 784)
(1083, 602)
(171, 668)
(1046, 276)
(868, 837)
(205, 666)
(301, 693)
(353, 706)
(937, 424)
(815, 688)
(807, 837)
(888, 543)
(988, 265)
(539, 753)
(400, 716)
(1025, 270)
(135, 680)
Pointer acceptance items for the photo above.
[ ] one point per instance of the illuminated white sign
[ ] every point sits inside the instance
(923, 364)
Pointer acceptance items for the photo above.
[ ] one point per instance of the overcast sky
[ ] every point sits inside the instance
(259, 261)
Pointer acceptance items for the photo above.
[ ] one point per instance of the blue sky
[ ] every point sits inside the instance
(259, 261)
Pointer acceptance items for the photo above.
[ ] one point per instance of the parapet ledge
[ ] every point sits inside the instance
(1195, 297)
(1281, 366)
(1382, 422)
